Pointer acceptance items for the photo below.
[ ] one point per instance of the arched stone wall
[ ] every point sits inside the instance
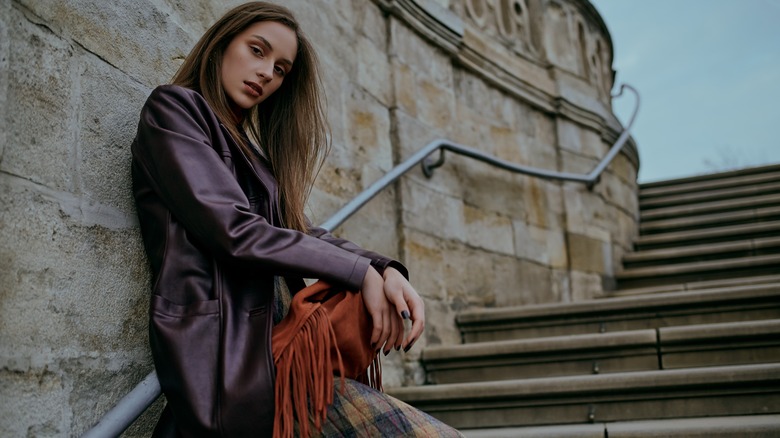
(506, 76)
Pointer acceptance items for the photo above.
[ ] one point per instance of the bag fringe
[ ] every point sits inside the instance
(304, 373)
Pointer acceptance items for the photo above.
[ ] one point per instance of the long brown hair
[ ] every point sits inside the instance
(290, 125)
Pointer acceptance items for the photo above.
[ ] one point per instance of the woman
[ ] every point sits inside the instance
(223, 161)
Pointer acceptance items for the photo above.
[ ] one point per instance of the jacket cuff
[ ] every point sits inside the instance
(355, 282)
(381, 264)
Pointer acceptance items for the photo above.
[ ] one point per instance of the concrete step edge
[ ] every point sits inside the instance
(694, 285)
(568, 386)
(629, 338)
(719, 331)
(754, 426)
(713, 176)
(710, 195)
(697, 221)
(705, 249)
(639, 302)
(708, 233)
(701, 186)
(708, 207)
(699, 266)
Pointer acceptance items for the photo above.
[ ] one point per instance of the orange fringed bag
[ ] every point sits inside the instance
(326, 332)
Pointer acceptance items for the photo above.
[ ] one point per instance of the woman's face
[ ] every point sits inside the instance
(255, 63)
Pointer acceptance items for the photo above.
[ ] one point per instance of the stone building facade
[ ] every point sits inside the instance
(525, 80)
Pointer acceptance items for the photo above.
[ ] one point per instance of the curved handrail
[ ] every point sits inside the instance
(442, 145)
(131, 406)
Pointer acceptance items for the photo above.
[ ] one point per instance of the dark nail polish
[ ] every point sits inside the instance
(406, 350)
(405, 314)
(397, 348)
(387, 352)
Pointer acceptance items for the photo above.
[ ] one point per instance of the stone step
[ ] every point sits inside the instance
(636, 350)
(716, 219)
(733, 426)
(720, 268)
(702, 186)
(712, 176)
(707, 251)
(718, 234)
(640, 395)
(542, 357)
(694, 285)
(704, 208)
(710, 195)
(722, 344)
(634, 312)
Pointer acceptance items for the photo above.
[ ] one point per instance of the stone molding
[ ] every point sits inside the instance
(537, 82)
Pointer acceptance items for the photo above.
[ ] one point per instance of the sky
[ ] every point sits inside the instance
(708, 73)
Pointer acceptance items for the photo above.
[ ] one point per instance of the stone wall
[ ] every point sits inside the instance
(526, 81)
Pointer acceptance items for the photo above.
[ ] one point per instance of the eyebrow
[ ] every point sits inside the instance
(271, 48)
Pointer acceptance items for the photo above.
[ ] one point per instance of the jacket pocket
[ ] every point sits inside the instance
(185, 347)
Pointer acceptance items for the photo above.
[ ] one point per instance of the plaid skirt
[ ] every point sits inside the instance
(361, 411)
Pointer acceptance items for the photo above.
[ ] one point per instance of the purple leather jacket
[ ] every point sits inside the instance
(211, 233)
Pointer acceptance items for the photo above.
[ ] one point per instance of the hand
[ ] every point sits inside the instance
(405, 299)
(378, 307)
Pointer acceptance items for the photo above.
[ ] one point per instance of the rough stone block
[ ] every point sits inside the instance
(34, 404)
(66, 285)
(420, 201)
(579, 139)
(405, 87)
(371, 23)
(425, 258)
(520, 282)
(43, 93)
(108, 120)
(488, 230)
(440, 327)
(435, 104)
(5, 46)
(541, 245)
(588, 254)
(368, 125)
(586, 213)
(373, 70)
(543, 203)
(585, 286)
(470, 277)
(141, 40)
(428, 62)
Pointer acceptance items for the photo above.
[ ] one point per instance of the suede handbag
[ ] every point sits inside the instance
(326, 332)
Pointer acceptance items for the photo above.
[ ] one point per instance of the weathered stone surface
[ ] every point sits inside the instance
(540, 245)
(488, 230)
(106, 132)
(420, 201)
(586, 213)
(373, 72)
(369, 131)
(42, 90)
(90, 294)
(5, 13)
(585, 286)
(580, 140)
(589, 254)
(425, 257)
(35, 404)
(140, 39)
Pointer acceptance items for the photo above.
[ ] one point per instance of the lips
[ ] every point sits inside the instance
(254, 88)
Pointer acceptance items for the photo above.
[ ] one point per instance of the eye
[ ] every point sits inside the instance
(257, 50)
(280, 71)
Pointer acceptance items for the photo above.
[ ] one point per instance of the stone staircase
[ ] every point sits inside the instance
(688, 345)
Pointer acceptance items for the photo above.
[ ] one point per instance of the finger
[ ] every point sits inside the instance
(386, 327)
(418, 322)
(376, 332)
(393, 337)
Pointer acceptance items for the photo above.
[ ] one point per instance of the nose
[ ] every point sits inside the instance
(265, 70)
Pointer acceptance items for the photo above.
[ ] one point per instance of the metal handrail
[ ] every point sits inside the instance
(131, 406)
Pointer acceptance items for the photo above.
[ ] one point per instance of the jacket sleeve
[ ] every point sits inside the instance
(174, 152)
(378, 261)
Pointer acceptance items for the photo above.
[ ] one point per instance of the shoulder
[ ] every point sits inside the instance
(177, 96)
